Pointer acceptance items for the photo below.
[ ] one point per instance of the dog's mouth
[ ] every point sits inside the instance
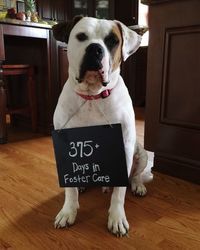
(94, 77)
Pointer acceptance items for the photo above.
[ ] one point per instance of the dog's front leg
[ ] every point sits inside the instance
(117, 222)
(67, 215)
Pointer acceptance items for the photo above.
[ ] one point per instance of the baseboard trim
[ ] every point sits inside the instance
(184, 170)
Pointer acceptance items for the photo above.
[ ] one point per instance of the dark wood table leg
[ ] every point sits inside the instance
(3, 130)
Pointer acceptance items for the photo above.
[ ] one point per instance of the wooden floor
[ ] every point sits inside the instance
(167, 218)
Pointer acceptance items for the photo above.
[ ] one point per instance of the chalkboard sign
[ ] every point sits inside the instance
(90, 156)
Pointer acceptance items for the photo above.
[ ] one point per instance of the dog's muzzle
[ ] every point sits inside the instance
(92, 61)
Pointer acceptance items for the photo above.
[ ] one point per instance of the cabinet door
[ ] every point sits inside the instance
(95, 8)
(110, 9)
(45, 9)
(52, 10)
(126, 11)
(59, 10)
(80, 7)
(102, 9)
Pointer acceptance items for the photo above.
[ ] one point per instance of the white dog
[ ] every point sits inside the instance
(95, 94)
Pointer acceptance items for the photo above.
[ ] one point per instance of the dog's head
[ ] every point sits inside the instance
(96, 48)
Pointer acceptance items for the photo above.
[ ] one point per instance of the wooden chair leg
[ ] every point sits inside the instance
(3, 129)
(32, 100)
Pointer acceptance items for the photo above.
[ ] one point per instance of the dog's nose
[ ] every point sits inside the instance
(96, 50)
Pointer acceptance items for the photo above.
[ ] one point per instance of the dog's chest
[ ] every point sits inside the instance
(93, 112)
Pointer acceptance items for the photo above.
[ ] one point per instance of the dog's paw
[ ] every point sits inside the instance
(138, 189)
(65, 218)
(117, 222)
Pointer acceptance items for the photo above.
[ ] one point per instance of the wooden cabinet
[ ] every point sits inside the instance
(172, 114)
(52, 10)
(61, 10)
(109, 9)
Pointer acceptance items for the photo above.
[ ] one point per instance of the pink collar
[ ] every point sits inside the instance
(103, 95)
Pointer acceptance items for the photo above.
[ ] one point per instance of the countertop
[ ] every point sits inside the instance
(25, 23)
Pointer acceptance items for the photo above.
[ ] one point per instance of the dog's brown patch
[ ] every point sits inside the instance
(117, 52)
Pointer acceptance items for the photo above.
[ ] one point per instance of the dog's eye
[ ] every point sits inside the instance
(111, 41)
(81, 37)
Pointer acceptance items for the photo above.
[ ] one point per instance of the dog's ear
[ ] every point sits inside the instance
(61, 31)
(131, 40)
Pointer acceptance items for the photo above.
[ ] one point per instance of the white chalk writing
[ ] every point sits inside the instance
(81, 149)
(81, 168)
(85, 173)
